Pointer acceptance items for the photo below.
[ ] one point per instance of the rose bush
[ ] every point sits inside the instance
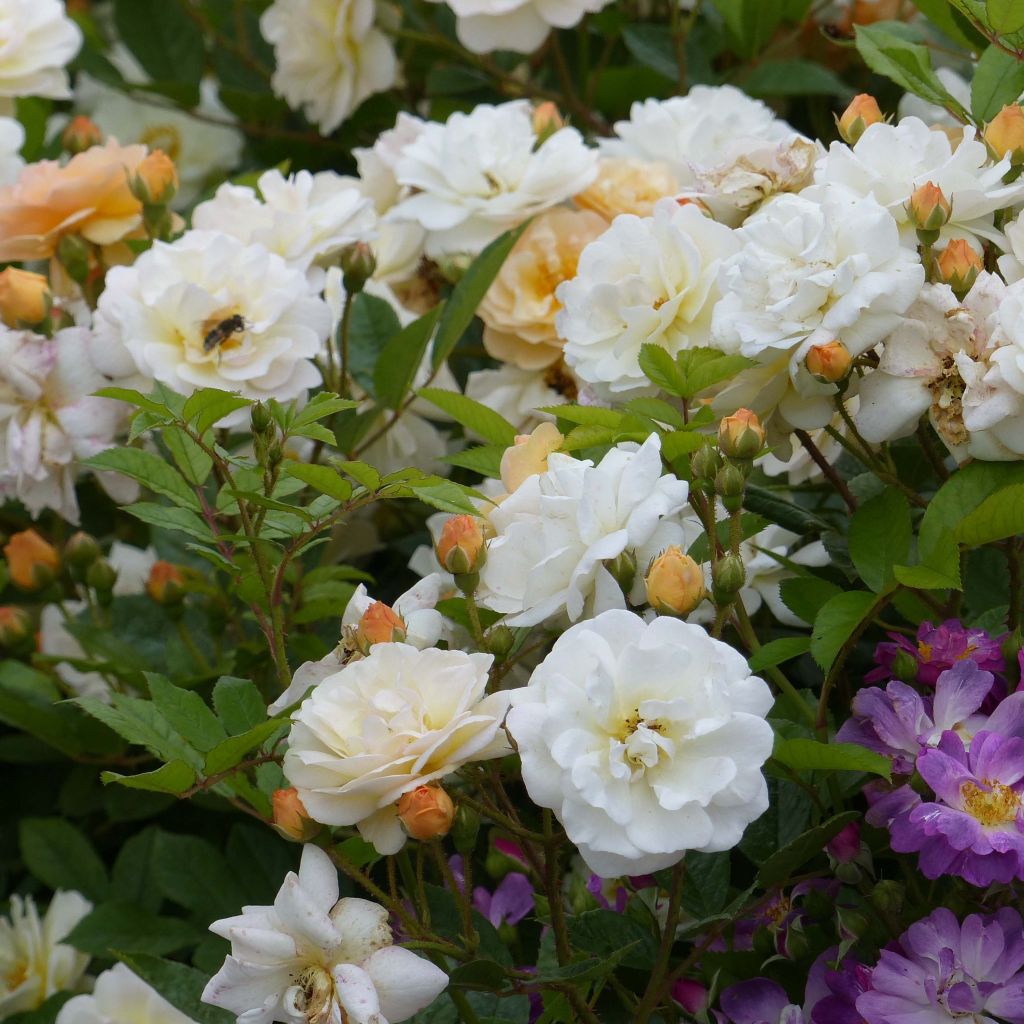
(512, 511)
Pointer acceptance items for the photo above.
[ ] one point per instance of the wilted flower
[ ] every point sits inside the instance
(24, 297)
(529, 455)
(31, 561)
(39, 40)
(618, 732)
(426, 812)
(385, 725)
(120, 995)
(316, 958)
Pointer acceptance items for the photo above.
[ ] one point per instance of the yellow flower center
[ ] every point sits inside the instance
(317, 994)
(16, 976)
(996, 805)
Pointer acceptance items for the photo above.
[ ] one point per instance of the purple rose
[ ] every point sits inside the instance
(937, 649)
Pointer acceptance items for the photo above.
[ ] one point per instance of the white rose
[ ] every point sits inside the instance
(12, 138)
(154, 317)
(37, 39)
(645, 740)
(314, 957)
(645, 281)
(481, 173)
(119, 996)
(34, 962)
(329, 56)
(557, 533)
(386, 724)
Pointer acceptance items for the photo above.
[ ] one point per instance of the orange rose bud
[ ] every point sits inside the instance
(862, 112)
(25, 297)
(290, 816)
(155, 181)
(15, 626)
(958, 266)
(675, 583)
(829, 362)
(528, 455)
(1005, 134)
(426, 813)
(81, 134)
(460, 548)
(379, 624)
(166, 583)
(928, 208)
(31, 561)
(741, 436)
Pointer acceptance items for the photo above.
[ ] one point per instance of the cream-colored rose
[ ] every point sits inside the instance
(519, 308)
(89, 196)
(529, 455)
(624, 185)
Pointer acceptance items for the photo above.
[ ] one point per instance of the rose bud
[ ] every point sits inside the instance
(81, 550)
(862, 112)
(528, 456)
(829, 362)
(675, 583)
(427, 812)
(32, 561)
(727, 578)
(379, 624)
(357, 266)
(691, 995)
(928, 208)
(25, 297)
(155, 181)
(15, 626)
(1005, 134)
(741, 436)
(547, 119)
(958, 265)
(846, 845)
(290, 816)
(166, 583)
(460, 548)
(81, 134)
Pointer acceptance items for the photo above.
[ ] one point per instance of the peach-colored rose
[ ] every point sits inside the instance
(90, 196)
(426, 813)
(529, 455)
(627, 186)
(519, 308)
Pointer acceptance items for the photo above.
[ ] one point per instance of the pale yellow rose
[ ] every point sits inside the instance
(627, 186)
(529, 455)
(519, 308)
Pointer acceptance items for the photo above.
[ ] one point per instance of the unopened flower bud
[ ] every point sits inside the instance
(357, 266)
(675, 583)
(705, 464)
(623, 569)
(379, 624)
(25, 297)
(101, 577)
(31, 561)
(528, 456)
(465, 829)
(290, 816)
(691, 995)
(958, 266)
(499, 640)
(730, 483)
(15, 626)
(460, 548)
(81, 550)
(845, 846)
(547, 119)
(166, 584)
(829, 362)
(862, 112)
(905, 667)
(427, 812)
(1005, 134)
(928, 209)
(741, 436)
(81, 134)
(73, 256)
(727, 578)
(260, 418)
(155, 181)
(887, 896)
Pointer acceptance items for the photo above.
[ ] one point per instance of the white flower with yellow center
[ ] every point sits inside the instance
(34, 961)
(119, 996)
(645, 740)
(313, 958)
(208, 311)
(37, 40)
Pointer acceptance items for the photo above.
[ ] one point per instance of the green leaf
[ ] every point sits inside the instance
(943, 15)
(837, 621)
(139, 721)
(465, 298)
(483, 459)
(586, 970)
(661, 369)
(446, 496)
(907, 64)
(655, 409)
(136, 398)
(238, 704)
(128, 927)
(474, 416)
(60, 856)
(232, 750)
(805, 596)
(320, 406)
(998, 80)
(706, 885)
(880, 534)
(782, 512)
(789, 809)
(208, 406)
(651, 45)
(150, 470)
(132, 877)
(192, 873)
(999, 516)
(323, 478)
(585, 415)
(163, 38)
(173, 777)
(796, 77)
(194, 463)
(752, 23)
(1005, 16)
(401, 358)
(186, 712)
(182, 986)
(809, 755)
(779, 651)
(363, 474)
(924, 577)
(178, 520)
(778, 868)
(372, 325)
(604, 932)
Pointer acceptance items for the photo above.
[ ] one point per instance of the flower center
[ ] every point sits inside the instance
(314, 994)
(16, 975)
(640, 744)
(997, 805)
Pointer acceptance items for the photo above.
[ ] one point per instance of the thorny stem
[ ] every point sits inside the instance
(827, 469)
(553, 885)
(342, 340)
(658, 979)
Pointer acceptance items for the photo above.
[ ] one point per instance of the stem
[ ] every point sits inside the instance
(463, 894)
(190, 645)
(827, 469)
(553, 884)
(1013, 566)
(930, 452)
(342, 338)
(652, 995)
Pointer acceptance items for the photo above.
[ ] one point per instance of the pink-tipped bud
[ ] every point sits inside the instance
(461, 547)
(862, 112)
